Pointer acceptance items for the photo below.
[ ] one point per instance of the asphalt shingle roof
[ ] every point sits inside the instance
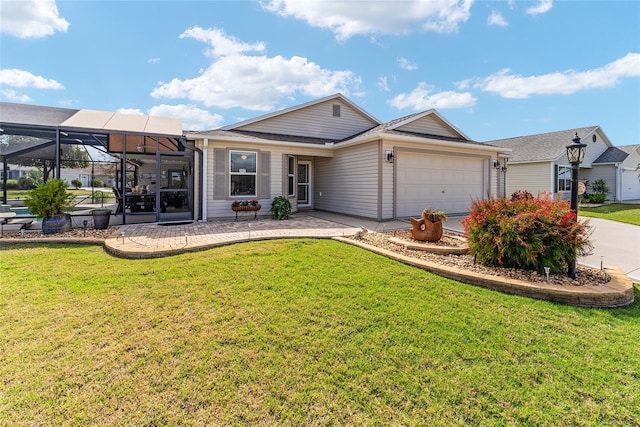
(541, 147)
(616, 154)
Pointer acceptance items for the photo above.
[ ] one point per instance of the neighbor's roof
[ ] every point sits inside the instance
(616, 154)
(542, 147)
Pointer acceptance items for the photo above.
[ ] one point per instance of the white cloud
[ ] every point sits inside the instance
(20, 78)
(496, 19)
(382, 83)
(253, 82)
(153, 60)
(349, 18)
(192, 117)
(423, 98)
(221, 44)
(13, 96)
(405, 64)
(516, 86)
(543, 6)
(31, 18)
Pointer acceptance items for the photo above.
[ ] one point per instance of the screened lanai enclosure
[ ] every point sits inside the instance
(144, 163)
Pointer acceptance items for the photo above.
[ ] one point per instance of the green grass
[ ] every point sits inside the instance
(297, 332)
(621, 212)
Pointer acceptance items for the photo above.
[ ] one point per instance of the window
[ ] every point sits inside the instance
(564, 178)
(291, 173)
(242, 173)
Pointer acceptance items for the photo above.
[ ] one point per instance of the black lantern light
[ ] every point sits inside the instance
(575, 155)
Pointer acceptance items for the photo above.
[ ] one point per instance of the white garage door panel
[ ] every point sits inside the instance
(447, 183)
(630, 185)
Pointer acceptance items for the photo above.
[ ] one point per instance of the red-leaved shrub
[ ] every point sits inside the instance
(524, 233)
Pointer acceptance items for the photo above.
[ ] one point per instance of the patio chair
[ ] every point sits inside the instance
(118, 195)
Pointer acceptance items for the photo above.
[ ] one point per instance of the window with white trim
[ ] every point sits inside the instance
(564, 178)
(291, 175)
(243, 173)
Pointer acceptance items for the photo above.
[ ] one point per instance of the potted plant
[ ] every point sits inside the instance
(246, 206)
(281, 208)
(101, 218)
(434, 215)
(429, 227)
(49, 201)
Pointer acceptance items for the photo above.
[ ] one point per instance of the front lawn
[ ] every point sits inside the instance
(622, 212)
(296, 332)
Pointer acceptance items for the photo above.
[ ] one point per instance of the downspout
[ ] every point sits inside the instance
(203, 182)
(619, 183)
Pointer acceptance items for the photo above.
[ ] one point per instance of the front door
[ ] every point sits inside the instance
(304, 184)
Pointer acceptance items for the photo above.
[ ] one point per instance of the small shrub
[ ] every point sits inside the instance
(280, 208)
(525, 234)
(97, 182)
(49, 199)
(12, 184)
(27, 182)
(595, 198)
(600, 186)
(76, 183)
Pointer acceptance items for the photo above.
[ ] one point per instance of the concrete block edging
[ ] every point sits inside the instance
(618, 292)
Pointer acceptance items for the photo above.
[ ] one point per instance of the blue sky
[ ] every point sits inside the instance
(495, 69)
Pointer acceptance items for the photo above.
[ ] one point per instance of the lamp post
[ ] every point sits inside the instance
(575, 155)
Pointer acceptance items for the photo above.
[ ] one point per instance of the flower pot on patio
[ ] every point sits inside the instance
(101, 218)
(246, 208)
(56, 224)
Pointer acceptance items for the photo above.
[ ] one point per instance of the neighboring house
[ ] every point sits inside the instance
(618, 167)
(331, 155)
(539, 164)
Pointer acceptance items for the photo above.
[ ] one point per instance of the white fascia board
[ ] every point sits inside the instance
(320, 149)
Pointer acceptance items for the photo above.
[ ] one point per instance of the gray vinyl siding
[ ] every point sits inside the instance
(606, 172)
(536, 178)
(316, 121)
(348, 182)
(429, 125)
(271, 182)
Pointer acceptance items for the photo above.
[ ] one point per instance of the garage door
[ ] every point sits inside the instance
(630, 184)
(447, 183)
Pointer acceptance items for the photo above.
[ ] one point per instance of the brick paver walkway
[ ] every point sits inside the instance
(153, 240)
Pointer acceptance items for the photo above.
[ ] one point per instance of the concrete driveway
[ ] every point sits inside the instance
(615, 244)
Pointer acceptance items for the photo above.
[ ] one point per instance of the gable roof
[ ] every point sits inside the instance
(616, 154)
(337, 96)
(542, 147)
(417, 128)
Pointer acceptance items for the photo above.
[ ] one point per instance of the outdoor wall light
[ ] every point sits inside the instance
(389, 156)
(496, 164)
